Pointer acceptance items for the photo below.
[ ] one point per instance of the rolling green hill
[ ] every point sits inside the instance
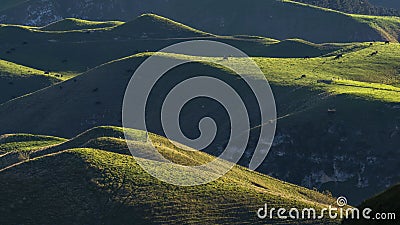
(17, 80)
(337, 103)
(96, 185)
(275, 19)
(154, 26)
(79, 51)
(325, 101)
(77, 24)
(26, 142)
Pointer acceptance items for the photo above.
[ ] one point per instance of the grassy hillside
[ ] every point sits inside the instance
(154, 26)
(325, 101)
(111, 188)
(26, 142)
(80, 50)
(17, 80)
(389, 27)
(78, 24)
(276, 19)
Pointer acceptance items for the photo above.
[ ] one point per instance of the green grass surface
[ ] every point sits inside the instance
(356, 84)
(352, 85)
(112, 188)
(26, 142)
(357, 73)
(78, 24)
(389, 27)
(17, 80)
(153, 26)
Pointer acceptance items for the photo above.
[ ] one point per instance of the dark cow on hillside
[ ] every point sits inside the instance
(387, 42)
(374, 53)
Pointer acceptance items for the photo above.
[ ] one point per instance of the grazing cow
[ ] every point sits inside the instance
(370, 44)
(374, 53)
(387, 42)
(338, 56)
(303, 76)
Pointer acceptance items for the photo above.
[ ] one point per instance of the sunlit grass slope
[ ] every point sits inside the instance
(98, 93)
(151, 25)
(17, 80)
(78, 24)
(102, 186)
(26, 142)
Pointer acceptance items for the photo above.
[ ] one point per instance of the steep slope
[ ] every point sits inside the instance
(77, 24)
(325, 102)
(386, 202)
(102, 186)
(278, 19)
(17, 80)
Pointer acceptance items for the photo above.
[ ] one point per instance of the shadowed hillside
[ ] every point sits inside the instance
(81, 50)
(275, 19)
(17, 80)
(386, 202)
(324, 102)
(102, 186)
